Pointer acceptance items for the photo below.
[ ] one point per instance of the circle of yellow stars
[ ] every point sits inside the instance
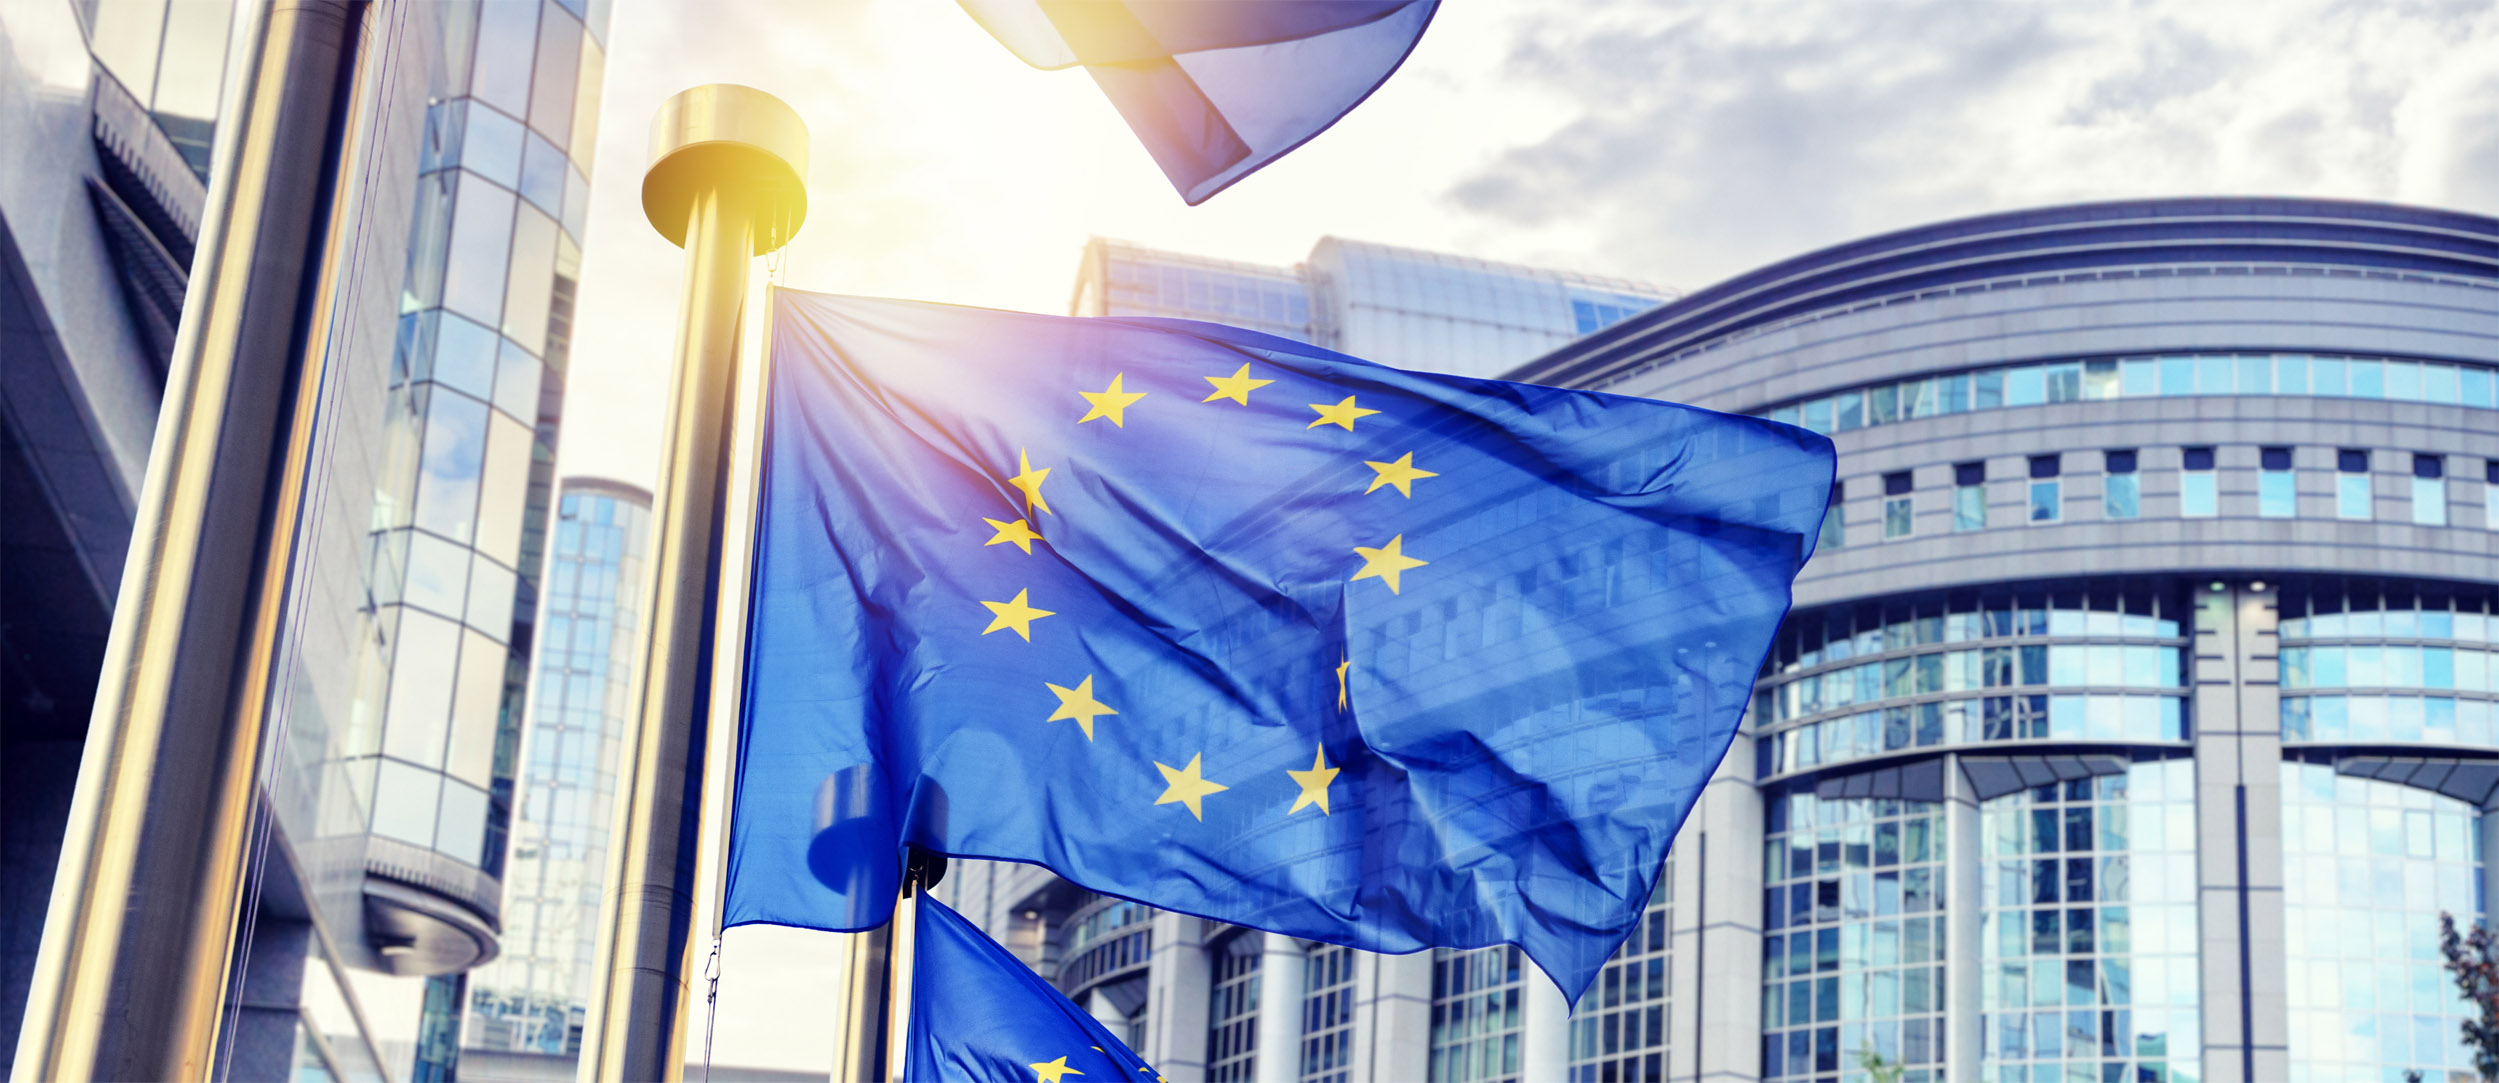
(1080, 703)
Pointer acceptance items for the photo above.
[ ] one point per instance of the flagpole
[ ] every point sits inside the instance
(727, 182)
(921, 871)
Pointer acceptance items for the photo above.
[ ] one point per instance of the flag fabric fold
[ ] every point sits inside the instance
(979, 1014)
(1216, 89)
(1243, 628)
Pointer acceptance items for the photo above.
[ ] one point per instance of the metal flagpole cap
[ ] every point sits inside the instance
(736, 139)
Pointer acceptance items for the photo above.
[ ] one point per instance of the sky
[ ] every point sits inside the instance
(1675, 141)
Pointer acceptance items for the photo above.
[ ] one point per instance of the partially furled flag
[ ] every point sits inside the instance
(978, 1013)
(1217, 88)
(1243, 628)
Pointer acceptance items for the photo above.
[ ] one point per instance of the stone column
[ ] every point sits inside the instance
(1176, 991)
(1544, 1027)
(1965, 955)
(1280, 1010)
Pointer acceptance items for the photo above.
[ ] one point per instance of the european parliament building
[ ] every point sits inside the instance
(2137, 719)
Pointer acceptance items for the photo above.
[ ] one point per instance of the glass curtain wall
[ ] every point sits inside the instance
(477, 386)
(1618, 1032)
(2098, 662)
(2393, 378)
(2090, 929)
(1475, 1015)
(2366, 663)
(1328, 1014)
(2375, 864)
(1232, 1009)
(534, 997)
(1853, 934)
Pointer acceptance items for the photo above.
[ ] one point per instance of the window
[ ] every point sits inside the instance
(2429, 490)
(2199, 489)
(2490, 494)
(1834, 526)
(2351, 484)
(1475, 1015)
(1969, 496)
(1232, 1013)
(1630, 995)
(2047, 503)
(1899, 511)
(2121, 497)
(1328, 1015)
(2277, 493)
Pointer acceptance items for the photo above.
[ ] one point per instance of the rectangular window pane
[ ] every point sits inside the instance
(2025, 386)
(455, 446)
(525, 309)
(1898, 517)
(481, 238)
(2139, 376)
(2276, 495)
(404, 799)
(558, 70)
(507, 37)
(2045, 504)
(490, 145)
(2124, 496)
(2429, 501)
(423, 672)
(2199, 494)
(2351, 496)
(503, 489)
(475, 707)
(1969, 507)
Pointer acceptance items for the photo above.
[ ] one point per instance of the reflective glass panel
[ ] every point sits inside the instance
(455, 438)
(481, 239)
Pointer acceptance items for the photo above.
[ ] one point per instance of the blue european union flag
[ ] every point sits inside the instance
(978, 1013)
(1243, 628)
(1217, 89)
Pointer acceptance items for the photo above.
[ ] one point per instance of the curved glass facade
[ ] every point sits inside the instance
(2366, 663)
(1619, 1031)
(2090, 930)
(2095, 663)
(477, 383)
(2376, 863)
(1853, 937)
(535, 995)
(2393, 379)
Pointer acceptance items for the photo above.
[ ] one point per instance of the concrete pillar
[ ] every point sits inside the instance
(1177, 985)
(1715, 988)
(2238, 773)
(1392, 1029)
(1279, 1010)
(1965, 954)
(1544, 1028)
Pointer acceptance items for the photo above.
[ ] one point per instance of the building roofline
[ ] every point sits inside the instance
(609, 486)
(2384, 238)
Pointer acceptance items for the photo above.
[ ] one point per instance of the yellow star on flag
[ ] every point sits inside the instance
(1235, 387)
(1029, 480)
(1346, 664)
(1078, 703)
(1387, 562)
(1342, 414)
(1314, 783)
(1015, 614)
(1185, 785)
(1051, 1071)
(1401, 474)
(1111, 402)
(1019, 532)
